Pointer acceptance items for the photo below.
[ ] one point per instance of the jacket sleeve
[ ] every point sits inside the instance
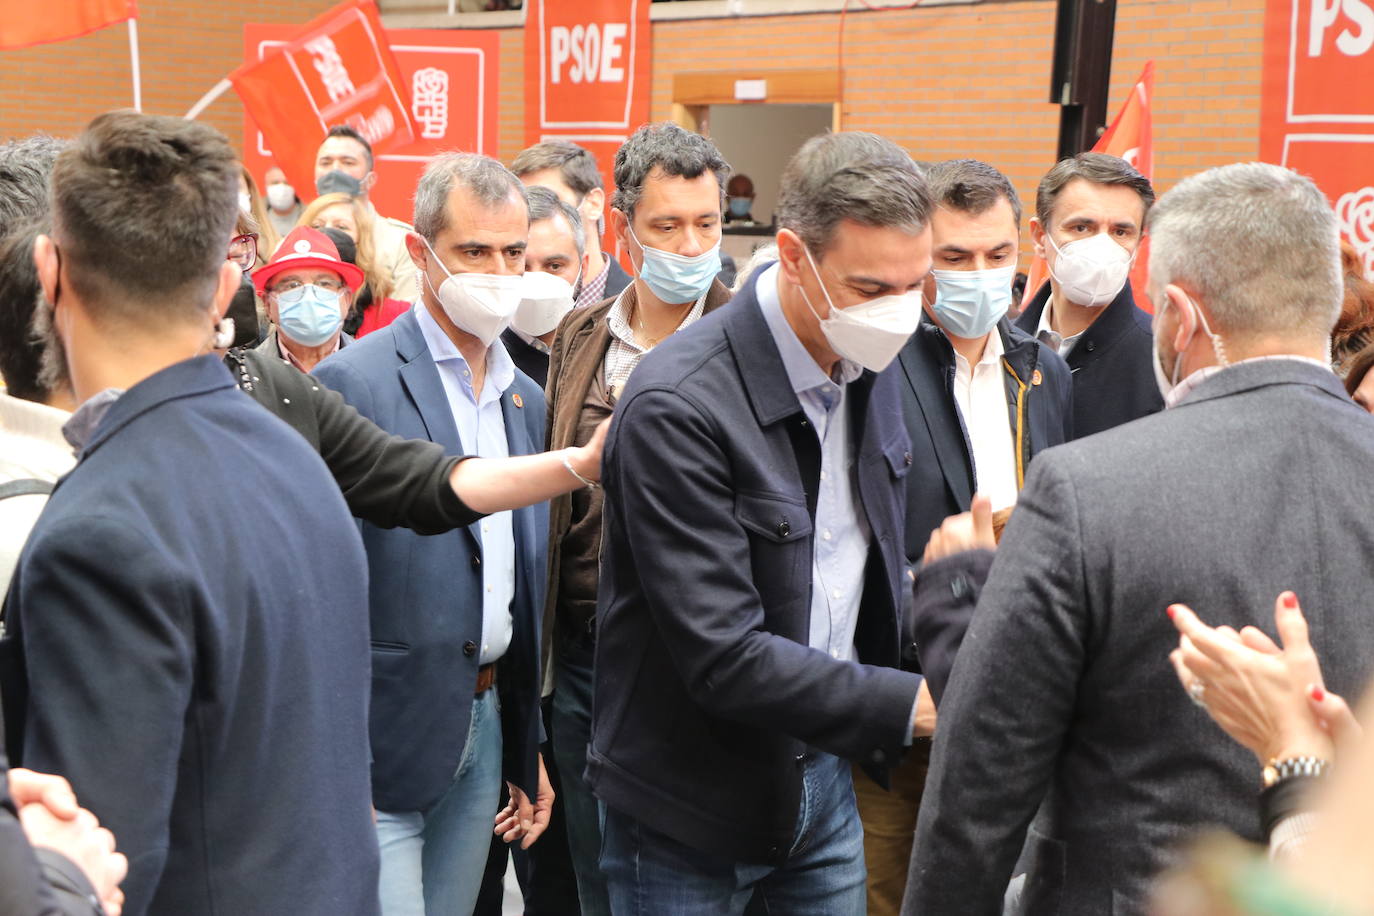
(1009, 701)
(110, 657)
(36, 882)
(670, 492)
(387, 480)
(946, 593)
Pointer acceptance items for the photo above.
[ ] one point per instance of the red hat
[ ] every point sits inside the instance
(306, 247)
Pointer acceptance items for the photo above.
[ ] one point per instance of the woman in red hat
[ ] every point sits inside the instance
(308, 289)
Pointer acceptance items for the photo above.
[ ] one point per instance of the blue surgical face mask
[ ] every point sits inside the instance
(675, 279)
(739, 206)
(969, 303)
(309, 315)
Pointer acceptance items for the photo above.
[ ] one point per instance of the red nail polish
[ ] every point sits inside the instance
(1290, 601)
(1318, 694)
(1171, 611)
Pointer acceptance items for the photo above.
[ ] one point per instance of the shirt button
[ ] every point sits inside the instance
(834, 653)
(835, 593)
(823, 476)
(826, 535)
(488, 588)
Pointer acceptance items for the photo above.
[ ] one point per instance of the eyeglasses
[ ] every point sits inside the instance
(243, 251)
(292, 290)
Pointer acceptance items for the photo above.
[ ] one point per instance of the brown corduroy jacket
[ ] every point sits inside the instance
(577, 355)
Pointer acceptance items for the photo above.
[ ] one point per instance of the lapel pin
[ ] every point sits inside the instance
(1036, 377)
(520, 402)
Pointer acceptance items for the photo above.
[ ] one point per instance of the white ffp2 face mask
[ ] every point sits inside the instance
(544, 299)
(1092, 271)
(871, 333)
(480, 304)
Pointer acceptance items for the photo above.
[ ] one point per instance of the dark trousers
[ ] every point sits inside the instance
(544, 870)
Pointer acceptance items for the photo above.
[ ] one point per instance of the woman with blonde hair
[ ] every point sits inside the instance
(372, 308)
(251, 202)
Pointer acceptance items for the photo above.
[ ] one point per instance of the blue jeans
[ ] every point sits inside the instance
(432, 860)
(649, 873)
(571, 729)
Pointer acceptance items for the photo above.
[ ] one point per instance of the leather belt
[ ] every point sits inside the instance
(486, 678)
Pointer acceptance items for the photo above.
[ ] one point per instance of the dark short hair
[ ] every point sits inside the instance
(142, 207)
(576, 166)
(850, 175)
(1099, 168)
(21, 353)
(1357, 368)
(25, 166)
(343, 130)
(970, 186)
(680, 153)
(545, 204)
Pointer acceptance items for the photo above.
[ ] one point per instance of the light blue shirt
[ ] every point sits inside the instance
(842, 535)
(482, 431)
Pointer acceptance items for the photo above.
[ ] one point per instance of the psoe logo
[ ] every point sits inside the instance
(1355, 210)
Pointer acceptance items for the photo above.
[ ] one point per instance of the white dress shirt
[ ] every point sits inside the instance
(1049, 336)
(31, 447)
(980, 391)
(482, 431)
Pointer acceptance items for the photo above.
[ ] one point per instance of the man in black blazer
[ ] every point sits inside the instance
(1089, 221)
(753, 570)
(189, 653)
(980, 399)
(1063, 727)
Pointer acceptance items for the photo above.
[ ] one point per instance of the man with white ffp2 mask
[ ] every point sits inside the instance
(554, 262)
(446, 608)
(1089, 224)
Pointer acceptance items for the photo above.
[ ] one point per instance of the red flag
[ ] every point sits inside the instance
(1131, 137)
(338, 70)
(22, 25)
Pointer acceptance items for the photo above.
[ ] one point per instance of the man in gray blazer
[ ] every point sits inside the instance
(1062, 699)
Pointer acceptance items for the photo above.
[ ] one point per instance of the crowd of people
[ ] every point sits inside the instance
(844, 587)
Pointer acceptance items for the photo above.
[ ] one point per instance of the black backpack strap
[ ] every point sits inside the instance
(29, 486)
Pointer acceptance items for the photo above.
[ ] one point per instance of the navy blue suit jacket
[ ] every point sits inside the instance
(189, 613)
(1113, 377)
(706, 687)
(425, 592)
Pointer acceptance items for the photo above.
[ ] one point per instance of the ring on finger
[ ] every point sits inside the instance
(1196, 692)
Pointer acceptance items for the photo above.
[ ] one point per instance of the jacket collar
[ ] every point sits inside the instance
(761, 369)
(186, 379)
(1262, 373)
(1116, 319)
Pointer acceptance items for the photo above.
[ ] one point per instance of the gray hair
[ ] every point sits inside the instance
(544, 204)
(1257, 243)
(483, 177)
(970, 186)
(680, 153)
(25, 166)
(1098, 168)
(855, 176)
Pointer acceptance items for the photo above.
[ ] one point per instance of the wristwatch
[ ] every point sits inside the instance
(1278, 771)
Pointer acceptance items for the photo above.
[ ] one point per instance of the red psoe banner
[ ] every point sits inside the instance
(588, 74)
(448, 80)
(1316, 110)
(338, 69)
(22, 24)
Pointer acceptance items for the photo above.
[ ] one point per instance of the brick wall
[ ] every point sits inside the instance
(943, 81)
(186, 45)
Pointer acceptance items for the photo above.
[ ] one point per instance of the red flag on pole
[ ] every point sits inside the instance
(338, 70)
(21, 24)
(1131, 137)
